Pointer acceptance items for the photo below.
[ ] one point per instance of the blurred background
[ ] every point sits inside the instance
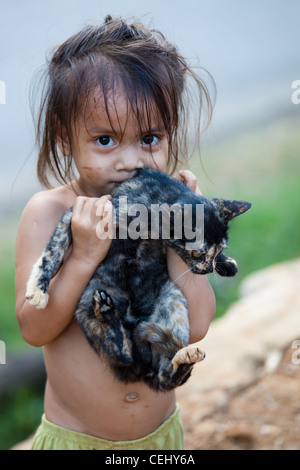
(251, 150)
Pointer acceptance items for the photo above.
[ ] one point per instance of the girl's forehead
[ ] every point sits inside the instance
(115, 110)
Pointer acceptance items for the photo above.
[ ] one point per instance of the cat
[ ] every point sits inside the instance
(131, 313)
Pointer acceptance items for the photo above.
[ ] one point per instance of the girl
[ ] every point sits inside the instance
(115, 101)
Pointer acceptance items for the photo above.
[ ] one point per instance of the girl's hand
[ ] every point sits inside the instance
(189, 179)
(91, 229)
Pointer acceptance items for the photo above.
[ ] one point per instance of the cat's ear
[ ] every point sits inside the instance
(230, 209)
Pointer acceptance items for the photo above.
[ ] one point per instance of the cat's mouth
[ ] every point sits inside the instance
(200, 269)
(205, 266)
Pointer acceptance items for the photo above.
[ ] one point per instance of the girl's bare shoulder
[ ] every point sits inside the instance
(51, 203)
(44, 210)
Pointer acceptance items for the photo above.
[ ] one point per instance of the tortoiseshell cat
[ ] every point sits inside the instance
(133, 316)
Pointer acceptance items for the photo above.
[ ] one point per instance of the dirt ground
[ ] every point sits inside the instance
(263, 416)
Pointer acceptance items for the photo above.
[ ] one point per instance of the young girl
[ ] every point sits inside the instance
(115, 101)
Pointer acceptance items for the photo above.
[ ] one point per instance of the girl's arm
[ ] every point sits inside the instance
(195, 287)
(198, 292)
(40, 327)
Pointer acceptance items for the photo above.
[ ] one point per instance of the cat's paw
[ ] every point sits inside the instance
(188, 355)
(36, 297)
(102, 303)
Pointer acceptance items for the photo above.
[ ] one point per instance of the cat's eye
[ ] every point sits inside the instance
(198, 254)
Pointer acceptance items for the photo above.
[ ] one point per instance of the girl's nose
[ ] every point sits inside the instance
(129, 159)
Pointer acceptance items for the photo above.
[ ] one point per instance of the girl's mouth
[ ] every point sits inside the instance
(116, 183)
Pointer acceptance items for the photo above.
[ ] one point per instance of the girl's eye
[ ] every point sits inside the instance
(105, 141)
(150, 140)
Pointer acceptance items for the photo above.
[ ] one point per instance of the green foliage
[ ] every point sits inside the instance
(9, 329)
(269, 233)
(261, 166)
(19, 416)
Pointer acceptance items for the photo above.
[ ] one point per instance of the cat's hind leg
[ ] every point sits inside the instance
(173, 369)
(168, 335)
(188, 355)
(105, 332)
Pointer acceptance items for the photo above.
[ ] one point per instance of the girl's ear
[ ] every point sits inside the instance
(63, 141)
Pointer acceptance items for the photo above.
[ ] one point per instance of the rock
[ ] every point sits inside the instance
(245, 347)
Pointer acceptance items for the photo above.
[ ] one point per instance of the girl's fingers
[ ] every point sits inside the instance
(105, 227)
(78, 206)
(89, 205)
(102, 204)
(189, 179)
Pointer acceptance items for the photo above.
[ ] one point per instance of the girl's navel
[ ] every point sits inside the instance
(131, 397)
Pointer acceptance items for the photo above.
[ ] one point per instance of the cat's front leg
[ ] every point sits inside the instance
(48, 264)
(36, 289)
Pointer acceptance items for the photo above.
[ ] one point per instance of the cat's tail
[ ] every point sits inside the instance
(162, 339)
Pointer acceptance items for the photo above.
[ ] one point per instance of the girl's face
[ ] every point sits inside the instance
(109, 150)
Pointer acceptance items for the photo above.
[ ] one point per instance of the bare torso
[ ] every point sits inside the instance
(83, 395)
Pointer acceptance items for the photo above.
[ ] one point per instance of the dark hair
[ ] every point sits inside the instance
(152, 73)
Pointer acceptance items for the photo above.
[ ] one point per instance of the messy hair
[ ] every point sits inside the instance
(155, 78)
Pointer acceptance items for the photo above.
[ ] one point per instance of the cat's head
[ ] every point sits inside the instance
(204, 253)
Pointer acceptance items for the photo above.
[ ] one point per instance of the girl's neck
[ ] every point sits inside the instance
(80, 190)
